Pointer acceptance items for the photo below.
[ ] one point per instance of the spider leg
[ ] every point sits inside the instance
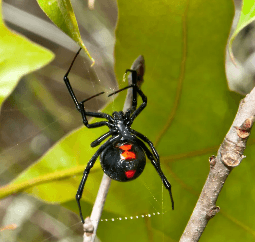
(67, 82)
(98, 115)
(156, 164)
(136, 90)
(78, 104)
(100, 139)
(120, 90)
(134, 83)
(141, 107)
(87, 170)
(145, 139)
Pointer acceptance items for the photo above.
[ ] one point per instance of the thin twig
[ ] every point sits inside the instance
(230, 155)
(91, 224)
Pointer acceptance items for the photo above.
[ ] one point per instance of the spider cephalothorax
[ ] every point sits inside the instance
(123, 155)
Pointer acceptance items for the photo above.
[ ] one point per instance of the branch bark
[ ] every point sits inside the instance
(91, 223)
(230, 155)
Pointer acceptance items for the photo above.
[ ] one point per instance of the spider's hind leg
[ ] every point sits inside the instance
(163, 178)
(156, 164)
(82, 184)
(87, 170)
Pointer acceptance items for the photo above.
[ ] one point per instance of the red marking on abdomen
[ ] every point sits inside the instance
(127, 154)
(126, 147)
(130, 174)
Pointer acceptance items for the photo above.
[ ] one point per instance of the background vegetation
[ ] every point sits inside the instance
(190, 109)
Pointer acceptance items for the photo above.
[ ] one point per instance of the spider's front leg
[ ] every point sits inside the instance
(80, 105)
(133, 111)
(68, 85)
(87, 170)
(94, 114)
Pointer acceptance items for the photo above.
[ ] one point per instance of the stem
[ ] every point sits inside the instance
(230, 155)
(91, 224)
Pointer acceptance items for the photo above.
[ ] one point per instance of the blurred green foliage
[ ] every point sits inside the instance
(19, 56)
(61, 13)
(247, 15)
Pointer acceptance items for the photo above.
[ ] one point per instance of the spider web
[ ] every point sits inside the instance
(20, 115)
(26, 103)
(36, 124)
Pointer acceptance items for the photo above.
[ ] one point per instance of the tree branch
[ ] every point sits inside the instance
(230, 155)
(91, 224)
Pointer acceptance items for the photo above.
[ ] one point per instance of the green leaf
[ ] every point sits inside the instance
(246, 17)
(189, 111)
(61, 14)
(19, 56)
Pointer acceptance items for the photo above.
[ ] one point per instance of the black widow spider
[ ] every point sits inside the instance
(122, 155)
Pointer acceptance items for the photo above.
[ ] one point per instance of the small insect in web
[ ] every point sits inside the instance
(123, 155)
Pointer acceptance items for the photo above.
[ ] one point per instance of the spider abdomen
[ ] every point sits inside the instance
(123, 161)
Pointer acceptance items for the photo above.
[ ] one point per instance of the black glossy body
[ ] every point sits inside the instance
(123, 155)
(115, 165)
